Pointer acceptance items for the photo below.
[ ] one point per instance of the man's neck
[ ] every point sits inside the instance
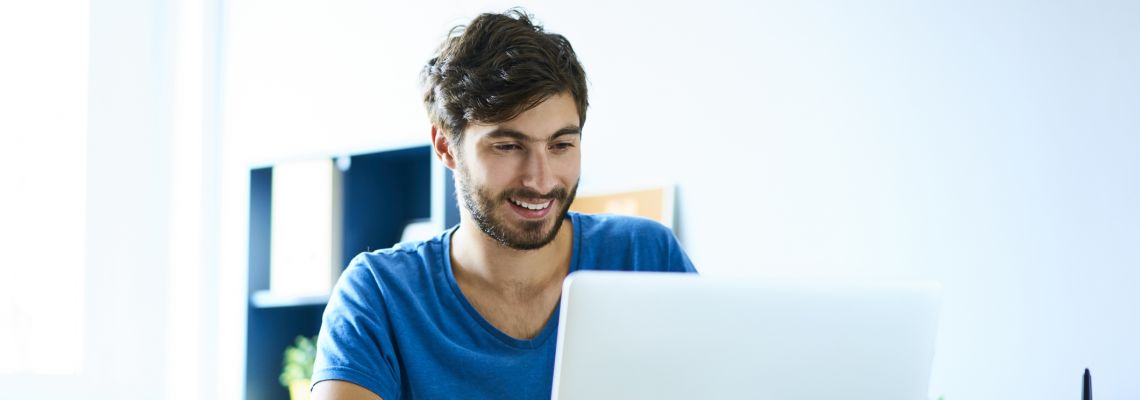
(479, 259)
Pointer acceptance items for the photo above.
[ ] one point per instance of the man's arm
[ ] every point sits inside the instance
(341, 390)
(356, 354)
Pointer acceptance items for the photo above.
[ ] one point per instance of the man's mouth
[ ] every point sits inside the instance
(532, 204)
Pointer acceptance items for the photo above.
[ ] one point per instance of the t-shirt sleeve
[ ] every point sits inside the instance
(355, 342)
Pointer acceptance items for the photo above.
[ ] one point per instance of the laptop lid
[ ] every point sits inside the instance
(644, 335)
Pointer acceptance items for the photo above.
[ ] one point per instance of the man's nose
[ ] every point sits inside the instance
(538, 175)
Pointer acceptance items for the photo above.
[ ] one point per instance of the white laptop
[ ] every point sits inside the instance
(664, 336)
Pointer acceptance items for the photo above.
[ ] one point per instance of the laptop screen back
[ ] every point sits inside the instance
(682, 336)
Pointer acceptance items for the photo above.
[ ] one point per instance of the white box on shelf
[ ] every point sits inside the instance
(305, 228)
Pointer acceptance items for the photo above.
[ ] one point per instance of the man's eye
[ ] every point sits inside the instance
(563, 146)
(506, 147)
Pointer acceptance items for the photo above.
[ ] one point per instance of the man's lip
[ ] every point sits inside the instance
(531, 214)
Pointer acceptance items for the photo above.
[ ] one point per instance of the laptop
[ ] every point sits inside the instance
(639, 335)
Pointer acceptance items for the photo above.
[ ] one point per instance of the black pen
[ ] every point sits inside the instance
(1088, 386)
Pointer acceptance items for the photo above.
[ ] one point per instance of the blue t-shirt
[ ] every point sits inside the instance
(398, 325)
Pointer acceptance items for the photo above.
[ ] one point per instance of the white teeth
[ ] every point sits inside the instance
(531, 206)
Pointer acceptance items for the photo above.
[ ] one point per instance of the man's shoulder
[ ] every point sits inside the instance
(401, 261)
(615, 225)
(622, 242)
(624, 233)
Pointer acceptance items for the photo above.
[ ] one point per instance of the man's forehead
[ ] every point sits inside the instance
(554, 116)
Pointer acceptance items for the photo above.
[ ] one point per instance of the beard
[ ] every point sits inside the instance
(523, 235)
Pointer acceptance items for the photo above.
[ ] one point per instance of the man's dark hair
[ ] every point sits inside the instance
(496, 68)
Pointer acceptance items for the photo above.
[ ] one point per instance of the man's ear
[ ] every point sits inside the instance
(442, 147)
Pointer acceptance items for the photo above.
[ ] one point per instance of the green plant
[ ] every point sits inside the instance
(298, 362)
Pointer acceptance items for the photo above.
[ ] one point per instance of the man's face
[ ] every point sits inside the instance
(518, 178)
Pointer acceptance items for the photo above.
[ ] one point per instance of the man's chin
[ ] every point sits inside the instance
(527, 234)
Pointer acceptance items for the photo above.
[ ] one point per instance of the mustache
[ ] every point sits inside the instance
(559, 193)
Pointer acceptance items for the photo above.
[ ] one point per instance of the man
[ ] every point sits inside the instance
(471, 313)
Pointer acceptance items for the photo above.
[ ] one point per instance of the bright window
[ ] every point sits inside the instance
(43, 146)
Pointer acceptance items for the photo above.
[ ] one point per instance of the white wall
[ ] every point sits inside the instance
(992, 146)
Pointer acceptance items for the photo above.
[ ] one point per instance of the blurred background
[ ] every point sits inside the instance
(993, 146)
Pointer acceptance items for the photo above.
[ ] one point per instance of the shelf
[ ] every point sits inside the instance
(380, 193)
(268, 299)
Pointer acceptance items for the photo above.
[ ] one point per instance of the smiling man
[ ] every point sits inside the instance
(471, 313)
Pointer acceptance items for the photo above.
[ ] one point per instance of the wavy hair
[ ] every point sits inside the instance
(497, 67)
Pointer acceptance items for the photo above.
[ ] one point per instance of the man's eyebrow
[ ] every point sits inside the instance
(569, 130)
(506, 133)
